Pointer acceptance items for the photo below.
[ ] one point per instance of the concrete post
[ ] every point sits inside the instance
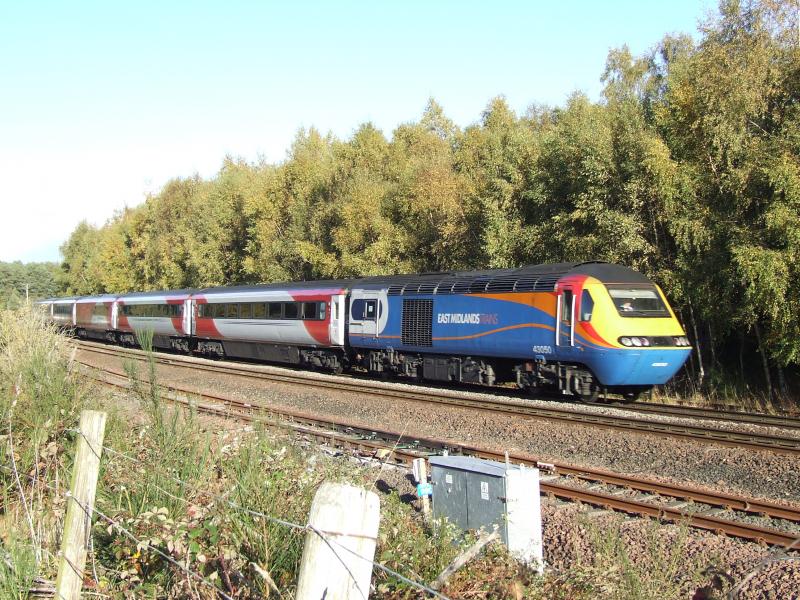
(348, 518)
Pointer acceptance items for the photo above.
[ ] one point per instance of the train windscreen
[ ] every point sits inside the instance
(637, 301)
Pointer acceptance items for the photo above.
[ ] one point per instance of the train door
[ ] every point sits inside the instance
(565, 318)
(188, 317)
(364, 314)
(114, 315)
(337, 320)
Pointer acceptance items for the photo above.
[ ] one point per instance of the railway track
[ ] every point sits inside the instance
(559, 479)
(695, 412)
(703, 432)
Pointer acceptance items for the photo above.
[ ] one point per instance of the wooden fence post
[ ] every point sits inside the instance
(424, 489)
(80, 504)
(347, 516)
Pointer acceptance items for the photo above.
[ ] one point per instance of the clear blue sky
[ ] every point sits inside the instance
(103, 102)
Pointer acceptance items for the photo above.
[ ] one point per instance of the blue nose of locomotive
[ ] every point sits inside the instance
(620, 367)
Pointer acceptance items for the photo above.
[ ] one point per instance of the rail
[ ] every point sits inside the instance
(402, 449)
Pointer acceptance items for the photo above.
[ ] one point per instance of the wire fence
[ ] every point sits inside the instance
(337, 548)
(143, 544)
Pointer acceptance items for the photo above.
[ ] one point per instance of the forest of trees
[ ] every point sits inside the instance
(688, 169)
(37, 280)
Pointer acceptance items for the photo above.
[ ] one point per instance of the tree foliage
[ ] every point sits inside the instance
(37, 280)
(688, 169)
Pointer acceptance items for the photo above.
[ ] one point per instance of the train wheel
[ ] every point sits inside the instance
(630, 396)
(588, 396)
(585, 387)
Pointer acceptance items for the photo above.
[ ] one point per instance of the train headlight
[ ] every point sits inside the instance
(645, 341)
(636, 341)
(625, 341)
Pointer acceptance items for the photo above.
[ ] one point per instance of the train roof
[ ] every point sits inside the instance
(157, 293)
(283, 285)
(530, 278)
(59, 300)
(97, 298)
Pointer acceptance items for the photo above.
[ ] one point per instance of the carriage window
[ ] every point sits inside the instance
(369, 310)
(259, 312)
(566, 306)
(219, 311)
(99, 310)
(245, 310)
(309, 310)
(322, 307)
(231, 311)
(290, 310)
(274, 310)
(357, 310)
(587, 306)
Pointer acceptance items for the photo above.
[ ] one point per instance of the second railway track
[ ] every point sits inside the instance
(559, 480)
(702, 432)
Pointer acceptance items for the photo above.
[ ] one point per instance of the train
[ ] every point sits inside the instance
(578, 330)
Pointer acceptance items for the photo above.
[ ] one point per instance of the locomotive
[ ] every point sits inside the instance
(579, 329)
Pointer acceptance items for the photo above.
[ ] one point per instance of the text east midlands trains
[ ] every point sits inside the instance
(469, 318)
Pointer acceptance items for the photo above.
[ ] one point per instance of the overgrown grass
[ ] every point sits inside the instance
(18, 568)
(39, 398)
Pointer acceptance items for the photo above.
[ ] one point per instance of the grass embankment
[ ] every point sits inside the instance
(172, 477)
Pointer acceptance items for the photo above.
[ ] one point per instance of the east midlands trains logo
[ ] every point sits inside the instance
(467, 318)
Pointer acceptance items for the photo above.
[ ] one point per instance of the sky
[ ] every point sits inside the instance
(101, 103)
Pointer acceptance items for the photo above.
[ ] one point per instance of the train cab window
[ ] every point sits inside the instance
(370, 308)
(259, 311)
(566, 306)
(637, 301)
(587, 306)
(290, 310)
(245, 311)
(274, 310)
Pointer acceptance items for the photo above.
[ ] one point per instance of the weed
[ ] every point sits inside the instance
(17, 569)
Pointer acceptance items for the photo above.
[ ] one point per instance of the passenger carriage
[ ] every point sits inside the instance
(301, 323)
(93, 317)
(165, 315)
